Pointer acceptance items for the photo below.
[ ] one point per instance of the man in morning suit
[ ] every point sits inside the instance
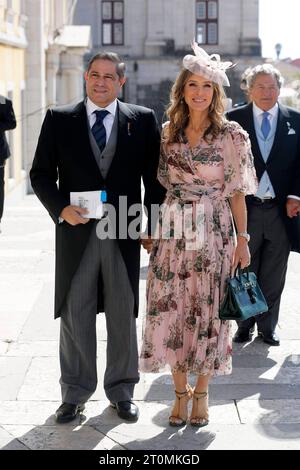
(99, 144)
(273, 212)
(7, 122)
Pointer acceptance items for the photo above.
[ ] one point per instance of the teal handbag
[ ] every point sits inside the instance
(243, 297)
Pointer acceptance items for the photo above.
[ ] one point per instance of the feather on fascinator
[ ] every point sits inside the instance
(208, 66)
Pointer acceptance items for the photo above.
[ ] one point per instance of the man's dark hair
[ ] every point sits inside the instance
(113, 57)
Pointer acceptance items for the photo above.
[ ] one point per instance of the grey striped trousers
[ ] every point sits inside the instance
(78, 345)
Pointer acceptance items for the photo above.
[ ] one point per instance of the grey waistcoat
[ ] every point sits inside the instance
(105, 158)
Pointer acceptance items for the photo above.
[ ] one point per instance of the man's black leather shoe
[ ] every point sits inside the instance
(270, 338)
(67, 412)
(243, 335)
(126, 410)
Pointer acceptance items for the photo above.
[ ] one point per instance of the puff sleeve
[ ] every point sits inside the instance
(239, 170)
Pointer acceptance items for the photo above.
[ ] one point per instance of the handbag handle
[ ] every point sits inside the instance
(239, 271)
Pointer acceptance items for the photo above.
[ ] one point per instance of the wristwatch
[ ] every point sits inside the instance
(244, 235)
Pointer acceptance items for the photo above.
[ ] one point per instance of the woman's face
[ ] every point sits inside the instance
(198, 93)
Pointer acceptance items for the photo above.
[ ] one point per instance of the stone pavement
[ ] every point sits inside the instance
(257, 407)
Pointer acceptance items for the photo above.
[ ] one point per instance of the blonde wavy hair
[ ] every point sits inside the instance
(178, 111)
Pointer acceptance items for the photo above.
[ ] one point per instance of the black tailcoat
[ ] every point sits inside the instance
(64, 162)
(7, 122)
(283, 164)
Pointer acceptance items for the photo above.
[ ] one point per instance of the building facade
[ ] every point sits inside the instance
(13, 46)
(54, 63)
(153, 36)
(41, 57)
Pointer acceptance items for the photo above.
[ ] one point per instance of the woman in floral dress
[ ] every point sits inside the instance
(206, 166)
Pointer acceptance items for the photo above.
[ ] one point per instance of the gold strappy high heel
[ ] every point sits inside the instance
(177, 420)
(201, 418)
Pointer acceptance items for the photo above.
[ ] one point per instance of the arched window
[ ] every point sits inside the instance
(207, 21)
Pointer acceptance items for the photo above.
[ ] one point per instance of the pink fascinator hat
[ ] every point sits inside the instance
(208, 66)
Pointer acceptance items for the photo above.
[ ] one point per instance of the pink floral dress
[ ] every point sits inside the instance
(185, 284)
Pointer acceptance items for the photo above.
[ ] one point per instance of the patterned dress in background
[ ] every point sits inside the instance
(185, 285)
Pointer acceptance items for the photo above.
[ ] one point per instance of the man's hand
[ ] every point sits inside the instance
(292, 207)
(146, 242)
(71, 214)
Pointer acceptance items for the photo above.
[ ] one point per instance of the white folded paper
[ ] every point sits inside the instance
(90, 200)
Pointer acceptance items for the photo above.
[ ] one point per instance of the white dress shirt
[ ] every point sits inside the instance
(108, 121)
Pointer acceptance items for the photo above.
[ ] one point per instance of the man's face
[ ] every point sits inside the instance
(265, 91)
(103, 83)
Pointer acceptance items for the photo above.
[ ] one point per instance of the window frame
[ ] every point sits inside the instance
(112, 22)
(207, 22)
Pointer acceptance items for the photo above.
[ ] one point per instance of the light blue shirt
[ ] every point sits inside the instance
(265, 188)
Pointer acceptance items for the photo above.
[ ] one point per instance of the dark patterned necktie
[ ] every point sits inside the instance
(98, 129)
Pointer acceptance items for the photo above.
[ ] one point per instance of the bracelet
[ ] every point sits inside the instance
(244, 235)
